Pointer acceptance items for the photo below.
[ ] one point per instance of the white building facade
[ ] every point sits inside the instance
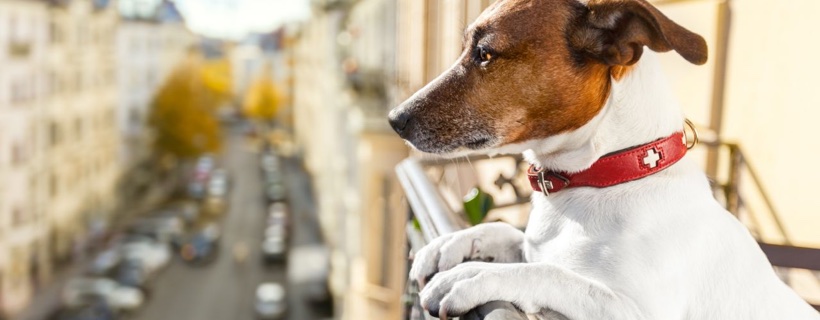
(82, 131)
(345, 83)
(57, 137)
(24, 90)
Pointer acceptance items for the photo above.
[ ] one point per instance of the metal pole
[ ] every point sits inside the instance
(724, 16)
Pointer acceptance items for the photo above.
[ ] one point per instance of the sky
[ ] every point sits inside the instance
(233, 19)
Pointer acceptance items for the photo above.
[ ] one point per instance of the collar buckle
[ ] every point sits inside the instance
(546, 184)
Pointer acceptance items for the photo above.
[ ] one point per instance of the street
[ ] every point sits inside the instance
(225, 288)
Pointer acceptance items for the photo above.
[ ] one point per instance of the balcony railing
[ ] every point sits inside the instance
(433, 189)
(436, 216)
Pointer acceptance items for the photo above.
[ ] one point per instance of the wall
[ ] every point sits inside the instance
(768, 102)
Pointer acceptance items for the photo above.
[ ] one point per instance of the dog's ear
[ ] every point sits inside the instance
(615, 32)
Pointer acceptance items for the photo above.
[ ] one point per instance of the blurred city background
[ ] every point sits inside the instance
(231, 159)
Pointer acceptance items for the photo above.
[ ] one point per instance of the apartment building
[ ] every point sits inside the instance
(150, 41)
(82, 128)
(57, 98)
(344, 86)
(24, 263)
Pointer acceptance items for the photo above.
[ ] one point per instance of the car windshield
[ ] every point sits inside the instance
(273, 245)
(270, 292)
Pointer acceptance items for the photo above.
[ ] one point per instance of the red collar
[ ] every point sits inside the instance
(615, 168)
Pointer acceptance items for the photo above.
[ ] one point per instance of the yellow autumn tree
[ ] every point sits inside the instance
(262, 100)
(217, 78)
(183, 112)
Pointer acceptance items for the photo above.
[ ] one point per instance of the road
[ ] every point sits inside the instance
(224, 289)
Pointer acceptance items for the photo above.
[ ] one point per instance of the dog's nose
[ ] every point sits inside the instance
(399, 121)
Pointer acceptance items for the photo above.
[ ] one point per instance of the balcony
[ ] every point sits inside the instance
(19, 49)
(433, 189)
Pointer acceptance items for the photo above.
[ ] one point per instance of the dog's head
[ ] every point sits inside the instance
(532, 69)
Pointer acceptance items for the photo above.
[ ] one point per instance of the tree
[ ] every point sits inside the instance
(262, 100)
(183, 111)
(216, 76)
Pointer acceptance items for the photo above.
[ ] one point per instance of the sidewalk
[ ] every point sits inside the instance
(47, 300)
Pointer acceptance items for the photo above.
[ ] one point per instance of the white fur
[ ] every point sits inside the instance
(656, 248)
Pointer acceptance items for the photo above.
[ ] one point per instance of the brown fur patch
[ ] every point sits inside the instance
(547, 74)
(552, 93)
(619, 72)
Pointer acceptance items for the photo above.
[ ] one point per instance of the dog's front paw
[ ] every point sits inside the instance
(490, 242)
(465, 287)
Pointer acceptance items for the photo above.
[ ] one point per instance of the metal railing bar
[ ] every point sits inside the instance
(763, 195)
(754, 226)
(429, 208)
(737, 162)
(417, 204)
(792, 257)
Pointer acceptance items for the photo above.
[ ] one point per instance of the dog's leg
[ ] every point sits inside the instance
(489, 242)
(533, 287)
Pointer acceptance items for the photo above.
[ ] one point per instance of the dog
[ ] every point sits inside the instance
(572, 83)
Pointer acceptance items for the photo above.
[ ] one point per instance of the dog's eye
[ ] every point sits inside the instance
(484, 55)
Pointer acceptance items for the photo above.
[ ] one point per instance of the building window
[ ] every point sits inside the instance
(78, 81)
(53, 82)
(54, 134)
(54, 186)
(134, 120)
(54, 32)
(78, 128)
(18, 154)
(17, 217)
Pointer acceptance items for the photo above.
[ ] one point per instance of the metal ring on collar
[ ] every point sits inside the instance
(695, 139)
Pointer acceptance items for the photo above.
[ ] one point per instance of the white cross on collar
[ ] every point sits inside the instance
(652, 158)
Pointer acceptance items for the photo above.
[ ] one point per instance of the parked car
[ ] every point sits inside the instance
(278, 218)
(275, 192)
(131, 273)
(96, 310)
(104, 262)
(274, 249)
(83, 292)
(314, 272)
(196, 189)
(201, 247)
(153, 255)
(165, 229)
(218, 183)
(274, 176)
(205, 163)
(199, 177)
(278, 214)
(270, 301)
(276, 231)
(270, 162)
(211, 231)
(187, 211)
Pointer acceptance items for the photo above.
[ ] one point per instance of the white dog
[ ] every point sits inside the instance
(627, 229)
